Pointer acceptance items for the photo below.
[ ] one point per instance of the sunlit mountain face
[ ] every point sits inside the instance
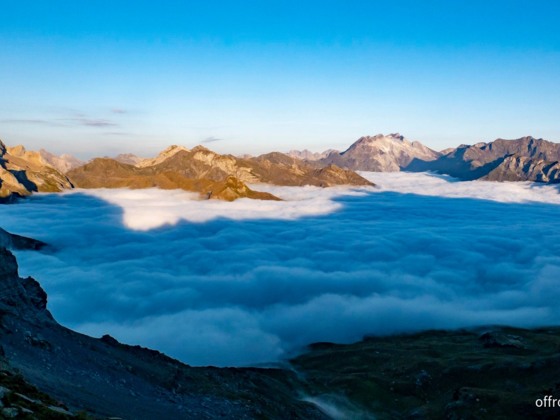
(249, 282)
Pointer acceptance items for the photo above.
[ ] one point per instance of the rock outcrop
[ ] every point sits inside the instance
(11, 241)
(523, 159)
(381, 153)
(163, 155)
(23, 172)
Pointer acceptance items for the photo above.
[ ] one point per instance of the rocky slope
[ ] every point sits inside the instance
(23, 172)
(523, 159)
(381, 153)
(521, 168)
(485, 373)
(108, 379)
(211, 174)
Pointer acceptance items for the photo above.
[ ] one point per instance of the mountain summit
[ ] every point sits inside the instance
(381, 153)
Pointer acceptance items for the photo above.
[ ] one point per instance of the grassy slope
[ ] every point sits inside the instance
(460, 374)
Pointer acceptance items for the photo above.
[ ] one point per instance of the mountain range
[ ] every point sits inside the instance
(523, 159)
(213, 175)
(198, 170)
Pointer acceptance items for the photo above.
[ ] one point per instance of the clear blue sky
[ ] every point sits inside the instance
(101, 77)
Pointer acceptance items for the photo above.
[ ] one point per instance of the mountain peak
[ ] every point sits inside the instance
(162, 156)
(201, 148)
(18, 150)
(382, 153)
(381, 137)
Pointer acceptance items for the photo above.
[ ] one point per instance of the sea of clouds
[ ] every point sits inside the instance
(249, 282)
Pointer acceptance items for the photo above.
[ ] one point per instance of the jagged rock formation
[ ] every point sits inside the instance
(381, 153)
(11, 241)
(23, 172)
(309, 155)
(164, 155)
(62, 163)
(211, 174)
(521, 168)
(523, 159)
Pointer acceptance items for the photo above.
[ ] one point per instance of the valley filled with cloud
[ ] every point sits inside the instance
(249, 282)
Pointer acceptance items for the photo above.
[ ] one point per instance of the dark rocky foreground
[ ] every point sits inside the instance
(48, 371)
(106, 378)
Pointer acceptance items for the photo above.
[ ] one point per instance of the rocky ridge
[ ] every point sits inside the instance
(523, 159)
(211, 174)
(199, 170)
(23, 172)
(106, 378)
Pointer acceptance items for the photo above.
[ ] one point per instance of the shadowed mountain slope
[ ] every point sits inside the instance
(523, 159)
(107, 378)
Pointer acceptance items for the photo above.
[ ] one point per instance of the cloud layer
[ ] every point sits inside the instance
(250, 282)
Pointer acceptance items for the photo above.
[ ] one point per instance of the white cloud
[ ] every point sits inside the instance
(446, 186)
(247, 282)
(152, 208)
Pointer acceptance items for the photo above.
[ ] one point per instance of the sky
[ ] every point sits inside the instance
(245, 282)
(101, 77)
